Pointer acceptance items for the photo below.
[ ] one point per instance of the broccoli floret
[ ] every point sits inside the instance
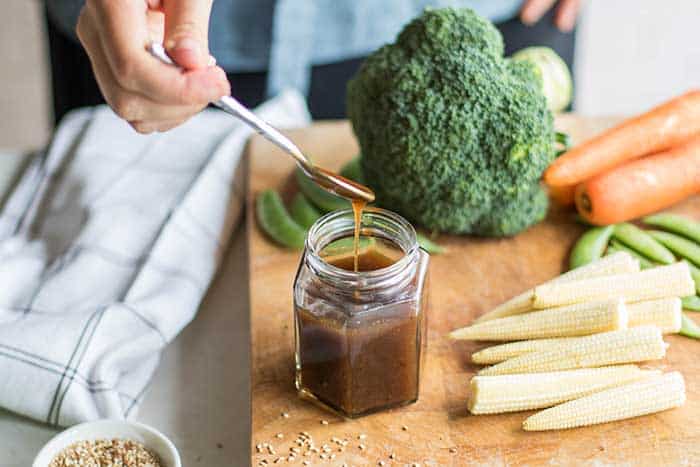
(454, 136)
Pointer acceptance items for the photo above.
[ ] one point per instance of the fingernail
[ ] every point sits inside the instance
(187, 44)
(212, 60)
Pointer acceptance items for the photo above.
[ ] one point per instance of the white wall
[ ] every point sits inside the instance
(635, 53)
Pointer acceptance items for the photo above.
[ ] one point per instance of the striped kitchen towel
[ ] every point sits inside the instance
(107, 246)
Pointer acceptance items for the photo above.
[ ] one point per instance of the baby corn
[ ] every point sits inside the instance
(660, 282)
(664, 314)
(617, 263)
(643, 397)
(499, 353)
(511, 393)
(610, 348)
(579, 319)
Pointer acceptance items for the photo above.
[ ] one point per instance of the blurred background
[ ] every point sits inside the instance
(630, 55)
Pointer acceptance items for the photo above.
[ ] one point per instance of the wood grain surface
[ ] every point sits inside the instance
(472, 277)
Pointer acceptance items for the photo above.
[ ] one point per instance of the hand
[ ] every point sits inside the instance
(149, 94)
(564, 19)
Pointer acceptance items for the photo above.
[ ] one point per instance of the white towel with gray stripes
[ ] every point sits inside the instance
(107, 246)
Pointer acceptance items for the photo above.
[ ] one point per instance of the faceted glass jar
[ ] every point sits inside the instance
(360, 335)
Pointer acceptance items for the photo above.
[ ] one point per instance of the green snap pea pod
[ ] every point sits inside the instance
(303, 212)
(695, 274)
(323, 200)
(276, 221)
(353, 170)
(681, 246)
(689, 328)
(639, 240)
(644, 262)
(346, 245)
(691, 303)
(676, 224)
(590, 246)
(429, 245)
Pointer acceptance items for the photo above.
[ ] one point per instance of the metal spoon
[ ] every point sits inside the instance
(329, 181)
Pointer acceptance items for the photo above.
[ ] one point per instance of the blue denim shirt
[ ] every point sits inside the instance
(287, 37)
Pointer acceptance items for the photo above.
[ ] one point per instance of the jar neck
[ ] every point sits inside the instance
(377, 223)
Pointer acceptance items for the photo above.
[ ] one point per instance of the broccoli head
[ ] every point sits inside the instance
(453, 135)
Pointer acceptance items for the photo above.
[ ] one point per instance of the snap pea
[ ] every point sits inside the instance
(323, 200)
(691, 303)
(644, 262)
(303, 212)
(681, 246)
(695, 274)
(346, 245)
(676, 224)
(429, 245)
(639, 240)
(689, 328)
(590, 246)
(353, 170)
(276, 222)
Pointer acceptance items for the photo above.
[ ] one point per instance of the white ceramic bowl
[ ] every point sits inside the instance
(154, 440)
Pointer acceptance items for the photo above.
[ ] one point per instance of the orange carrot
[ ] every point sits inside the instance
(562, 195)
(659, 129)
(642, 186)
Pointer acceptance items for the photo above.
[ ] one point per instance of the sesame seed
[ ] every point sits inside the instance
(285, 414)
(362, 436)
(279, 435)
(404, 428)
(382, 463)
(453, 450)
(324, 422)
(296, 450)
(362, 447)
(392, 456)
(332, 456)
(306, 463)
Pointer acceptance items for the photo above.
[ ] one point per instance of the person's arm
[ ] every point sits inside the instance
(150, 95)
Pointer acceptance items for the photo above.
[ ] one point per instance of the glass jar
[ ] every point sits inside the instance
(360, 335)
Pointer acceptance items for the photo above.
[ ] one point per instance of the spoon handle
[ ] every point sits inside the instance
(231, 106)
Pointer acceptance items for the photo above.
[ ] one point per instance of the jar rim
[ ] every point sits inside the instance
(316, 241)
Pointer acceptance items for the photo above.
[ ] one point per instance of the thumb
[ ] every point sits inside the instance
(186, 32)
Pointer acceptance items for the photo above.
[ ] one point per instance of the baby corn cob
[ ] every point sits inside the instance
(511, 393)
(643, 397)
(579, 319)
(660, 282)
(499, 353)
(664, 313)
(617, 263)
(609, 348)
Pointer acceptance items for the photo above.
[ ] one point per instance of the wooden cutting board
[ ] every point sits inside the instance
(474, 276)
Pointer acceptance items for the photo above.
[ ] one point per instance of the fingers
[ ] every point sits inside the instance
(136, 85)
(533, 10)
(186, 32)
(566, 15)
